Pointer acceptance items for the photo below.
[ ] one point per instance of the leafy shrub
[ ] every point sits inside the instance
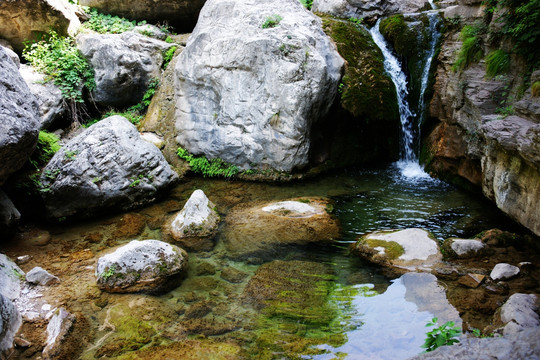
(497, 63)
(108, 24)
(58, 58)
(446, 334)
(471, 49)
(535, 89)
(167, 57)
(308, 4)
(271, 21)
(208, 168)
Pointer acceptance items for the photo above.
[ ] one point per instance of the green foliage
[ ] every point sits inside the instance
(169, 40)
(497, 63)
(136, 180)
(208, 168)
(147, 97)
(108, 24)
(167, 57)
(47, 146)
(271, 21)
(535, 89)
(471, 49)
(70, 155)
(356, 21)
(58, 58)
(446, 334)
(109, 272)
(307, 3)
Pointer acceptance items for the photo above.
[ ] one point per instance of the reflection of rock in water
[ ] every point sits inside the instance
(428, 295)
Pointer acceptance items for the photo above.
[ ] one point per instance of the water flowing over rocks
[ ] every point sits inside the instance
(254, 107)
(19, 127)
(142, 266)
(107, 166)
(23, 20)
(401, 250)
(49, 97)
(124, 65)
(265, 229)
(182, 14)
(195, 224)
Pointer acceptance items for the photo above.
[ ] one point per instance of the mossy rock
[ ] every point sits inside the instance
(191, 349)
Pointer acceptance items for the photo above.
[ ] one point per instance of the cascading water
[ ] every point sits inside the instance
(408, 163)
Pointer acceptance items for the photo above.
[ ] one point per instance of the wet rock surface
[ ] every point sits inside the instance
(265, 229)
(142, 266)
(107, 166)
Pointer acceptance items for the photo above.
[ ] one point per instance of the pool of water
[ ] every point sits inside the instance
(305, 302)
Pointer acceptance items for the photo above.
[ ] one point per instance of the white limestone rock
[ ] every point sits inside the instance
(10, 278)
(464, 248)
(40, 276)
(10, 322)
(520, 311)
(504, 271)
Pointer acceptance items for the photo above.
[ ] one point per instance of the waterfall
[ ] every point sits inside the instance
(408, 163)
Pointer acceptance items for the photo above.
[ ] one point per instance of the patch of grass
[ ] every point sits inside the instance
(271, 21)
(208, 168)
(497, 63)
(471, 49)
(108, 24)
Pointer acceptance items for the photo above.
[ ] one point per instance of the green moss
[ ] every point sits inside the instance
(395, 30)
(535, 89)
(366, 91)
(392, 249)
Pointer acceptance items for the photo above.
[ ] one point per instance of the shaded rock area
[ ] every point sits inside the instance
(124, 65)
(49, 97)
(523, 345)
(264, 230)
(20, 123)
(9, 215)
(107, 166)
(142, 266)
(265, 97)
(21, 21)
(402, 250)
(180, 14)
(194, 226)
(520, 312)
(10, 321)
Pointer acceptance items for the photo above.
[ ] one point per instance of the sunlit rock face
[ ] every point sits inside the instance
(252, 79)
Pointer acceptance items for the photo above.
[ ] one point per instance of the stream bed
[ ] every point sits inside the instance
(310, 302)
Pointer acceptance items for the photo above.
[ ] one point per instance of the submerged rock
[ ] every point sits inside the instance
(142, 266)
(124, 65)
(264, 230)
(252, 80)
(108, 166)
(503, 271)
(19, 127)
(195, 224)
(10, 321)
(409, 250)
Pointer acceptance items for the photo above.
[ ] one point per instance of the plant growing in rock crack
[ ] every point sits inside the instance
(208, 168)
(271, 21)
(167, 57)
(308, 4)
(111, 271)
(446, 334)
(471, 49)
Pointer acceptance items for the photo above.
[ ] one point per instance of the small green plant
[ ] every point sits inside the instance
(308, 4)
(169, 39)
(111, 271)
(471, 49)
(271, 21)
(48, 145)
(505, 111)
(147, 97)
(70, 155)
(58, 58)
(167, 57)
(535, 89)
(208, 168)
(455, 21)
(356, 21)
(136, 180)
(97, 179)
(108, 24)
(497, 63)
(446, 334)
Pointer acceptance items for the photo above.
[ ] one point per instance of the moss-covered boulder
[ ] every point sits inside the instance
(265, 229)
(365, 117)
(142, 266)
(400, 250)
(464, 248)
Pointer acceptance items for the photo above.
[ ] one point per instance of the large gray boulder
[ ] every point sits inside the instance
(24, 20)
(142, 266)
(519, 312)
(19, 113)
(107, 166)
(368, 8)
(182, 14)
(10, 321)
(10, 278)
(249, 94)
(124, 65)
(49, 97)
